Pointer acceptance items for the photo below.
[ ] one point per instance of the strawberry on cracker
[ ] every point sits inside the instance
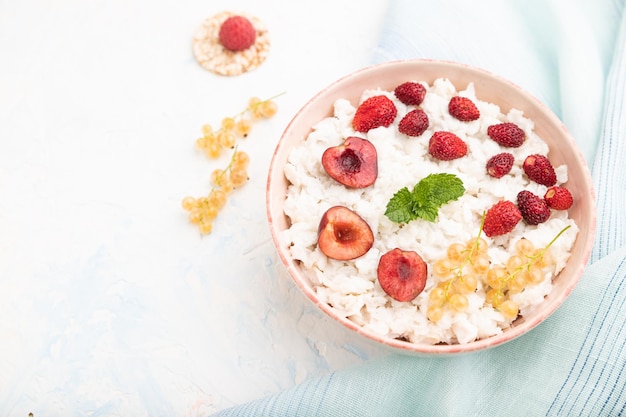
(237, 33)
(231, 44)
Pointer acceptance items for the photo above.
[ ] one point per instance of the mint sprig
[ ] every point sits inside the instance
(424, 201)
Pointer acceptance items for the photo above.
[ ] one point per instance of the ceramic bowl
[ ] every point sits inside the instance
(489, 87)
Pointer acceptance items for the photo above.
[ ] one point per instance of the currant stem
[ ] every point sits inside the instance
(241, 113)
(225, 170)
(468, 259)
(552, 241)
(534, 258)
(480, 232)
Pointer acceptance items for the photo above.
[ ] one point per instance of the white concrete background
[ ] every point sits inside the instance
(111, 302)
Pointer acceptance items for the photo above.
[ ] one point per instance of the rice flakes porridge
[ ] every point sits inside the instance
(351, 287)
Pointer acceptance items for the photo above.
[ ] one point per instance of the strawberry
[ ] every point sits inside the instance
(446, 146)
(374, 112)
(410, 93)
(501, 218)
(414, 123)
(558, 198)
(507, 134)
(237, 33)
(499, 165)
(539, 169)
(534, 209)
(463, 108)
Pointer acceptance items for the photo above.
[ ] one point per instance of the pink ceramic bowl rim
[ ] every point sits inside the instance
(276, 217)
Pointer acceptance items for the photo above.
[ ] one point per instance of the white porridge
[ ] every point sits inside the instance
(351, 287)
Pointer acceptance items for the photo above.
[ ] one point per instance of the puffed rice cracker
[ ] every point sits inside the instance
(212, 56)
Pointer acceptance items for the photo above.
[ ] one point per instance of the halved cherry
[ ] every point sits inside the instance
(354, 163)
(343, 234)
(402, 274)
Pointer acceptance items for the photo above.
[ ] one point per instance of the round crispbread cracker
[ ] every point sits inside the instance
(212, 56)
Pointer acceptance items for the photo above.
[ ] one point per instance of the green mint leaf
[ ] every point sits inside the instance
(436, 190)
(424, 201)
(427, 212)
(399, 208)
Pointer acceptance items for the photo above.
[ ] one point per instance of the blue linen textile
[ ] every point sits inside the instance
(572, 56)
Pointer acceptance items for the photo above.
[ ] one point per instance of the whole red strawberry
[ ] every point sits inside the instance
(500, 164)
(414, 123)
(539, 169)
(237, 33)
(501, 218)
(507, 134)
(374, 112)
(446, 146)
(410, 93)
(463, 108)
(559, 198)
(534, 209)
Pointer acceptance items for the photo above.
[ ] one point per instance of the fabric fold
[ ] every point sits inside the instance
(559, 51)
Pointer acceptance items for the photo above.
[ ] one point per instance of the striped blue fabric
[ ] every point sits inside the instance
(608, 169)
(573, 364)
(595, 384)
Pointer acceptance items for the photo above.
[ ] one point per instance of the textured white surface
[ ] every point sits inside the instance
(111, 303)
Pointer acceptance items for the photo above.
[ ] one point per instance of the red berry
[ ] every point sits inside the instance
(534, 209)
(374, 112)
(539, 169)
(463, 108)
(499, 165)
(402, 274)
(354, 163)
(343, 234)
(446, 146)
(559, 198)
(414, 123)
(507, 134)
(237, 33)
(410, 93)
(501, 218)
